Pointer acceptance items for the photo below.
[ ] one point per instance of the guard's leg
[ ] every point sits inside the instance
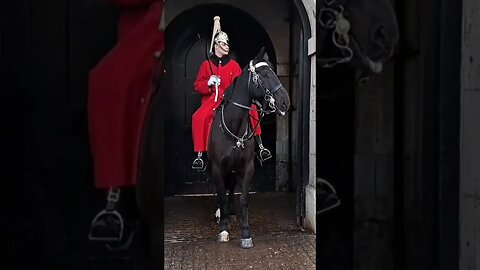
(200, 124)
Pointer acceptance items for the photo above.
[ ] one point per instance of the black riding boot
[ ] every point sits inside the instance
(198, 164)
(264, 154)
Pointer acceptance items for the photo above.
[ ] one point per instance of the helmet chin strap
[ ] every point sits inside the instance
(221, 49)
(225, 52)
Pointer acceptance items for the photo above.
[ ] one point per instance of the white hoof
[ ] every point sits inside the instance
(217, 215)
(246, 243)
(223, 237)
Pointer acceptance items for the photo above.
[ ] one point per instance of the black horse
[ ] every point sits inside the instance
(231, 148)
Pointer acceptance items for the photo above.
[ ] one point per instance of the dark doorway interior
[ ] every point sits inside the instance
(335, 163)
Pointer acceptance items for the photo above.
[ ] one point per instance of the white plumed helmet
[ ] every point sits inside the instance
(218, 35)
(221, 36)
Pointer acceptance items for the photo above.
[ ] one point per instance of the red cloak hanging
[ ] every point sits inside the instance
(120, 90)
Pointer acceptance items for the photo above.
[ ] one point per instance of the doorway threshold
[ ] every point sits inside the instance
(207, 194)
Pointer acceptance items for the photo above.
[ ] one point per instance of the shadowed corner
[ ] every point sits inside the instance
(327, 197)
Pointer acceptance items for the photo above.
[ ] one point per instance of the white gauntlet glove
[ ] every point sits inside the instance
(213, 80)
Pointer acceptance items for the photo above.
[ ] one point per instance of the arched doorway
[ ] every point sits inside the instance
(184, 53)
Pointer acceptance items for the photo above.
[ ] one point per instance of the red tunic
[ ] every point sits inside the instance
(120, 89)
(227, 69)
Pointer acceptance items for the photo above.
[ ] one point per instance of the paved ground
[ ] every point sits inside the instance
(190, 234)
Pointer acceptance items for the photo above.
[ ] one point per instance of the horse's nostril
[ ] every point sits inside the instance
(380, 37)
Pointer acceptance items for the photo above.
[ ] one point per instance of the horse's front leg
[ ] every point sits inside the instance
(246, 241)
(231, 198)
(231, 202)
(218, 177)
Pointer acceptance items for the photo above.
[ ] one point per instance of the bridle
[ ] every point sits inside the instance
(258, 82)
(331, 17)
(268, 97)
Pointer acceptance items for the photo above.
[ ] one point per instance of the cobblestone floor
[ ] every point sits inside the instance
(190, 234)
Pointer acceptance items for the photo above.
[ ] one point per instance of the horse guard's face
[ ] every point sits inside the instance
(268, 89)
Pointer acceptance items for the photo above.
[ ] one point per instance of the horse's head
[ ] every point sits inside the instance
(362, 32)
(268, 89)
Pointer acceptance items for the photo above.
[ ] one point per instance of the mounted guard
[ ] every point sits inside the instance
(214, 76)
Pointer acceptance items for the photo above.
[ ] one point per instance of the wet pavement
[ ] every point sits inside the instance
(190, 235)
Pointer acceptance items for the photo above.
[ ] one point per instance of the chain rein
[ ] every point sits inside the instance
(331, 17)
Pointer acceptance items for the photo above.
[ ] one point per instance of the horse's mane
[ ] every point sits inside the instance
(229, 91)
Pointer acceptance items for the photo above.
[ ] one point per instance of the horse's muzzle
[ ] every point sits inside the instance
(283, 107)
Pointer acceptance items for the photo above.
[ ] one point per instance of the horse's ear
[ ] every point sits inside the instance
(260, 54)
(265, 56)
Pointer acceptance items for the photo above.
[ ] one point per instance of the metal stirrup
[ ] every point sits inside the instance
(109, 212)
(198, 163)
(264, 154)
(112, 198)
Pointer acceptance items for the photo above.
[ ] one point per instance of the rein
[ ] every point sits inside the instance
(245, 137)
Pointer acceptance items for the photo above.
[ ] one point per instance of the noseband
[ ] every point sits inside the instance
(331, 17)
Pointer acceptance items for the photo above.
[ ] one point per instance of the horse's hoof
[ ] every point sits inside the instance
(223, 237)
(246, 243)
(217, 216)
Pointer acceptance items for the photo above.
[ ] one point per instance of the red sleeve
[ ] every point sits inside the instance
(200, 85)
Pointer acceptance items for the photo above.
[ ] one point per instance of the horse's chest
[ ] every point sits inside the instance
(235, 158)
